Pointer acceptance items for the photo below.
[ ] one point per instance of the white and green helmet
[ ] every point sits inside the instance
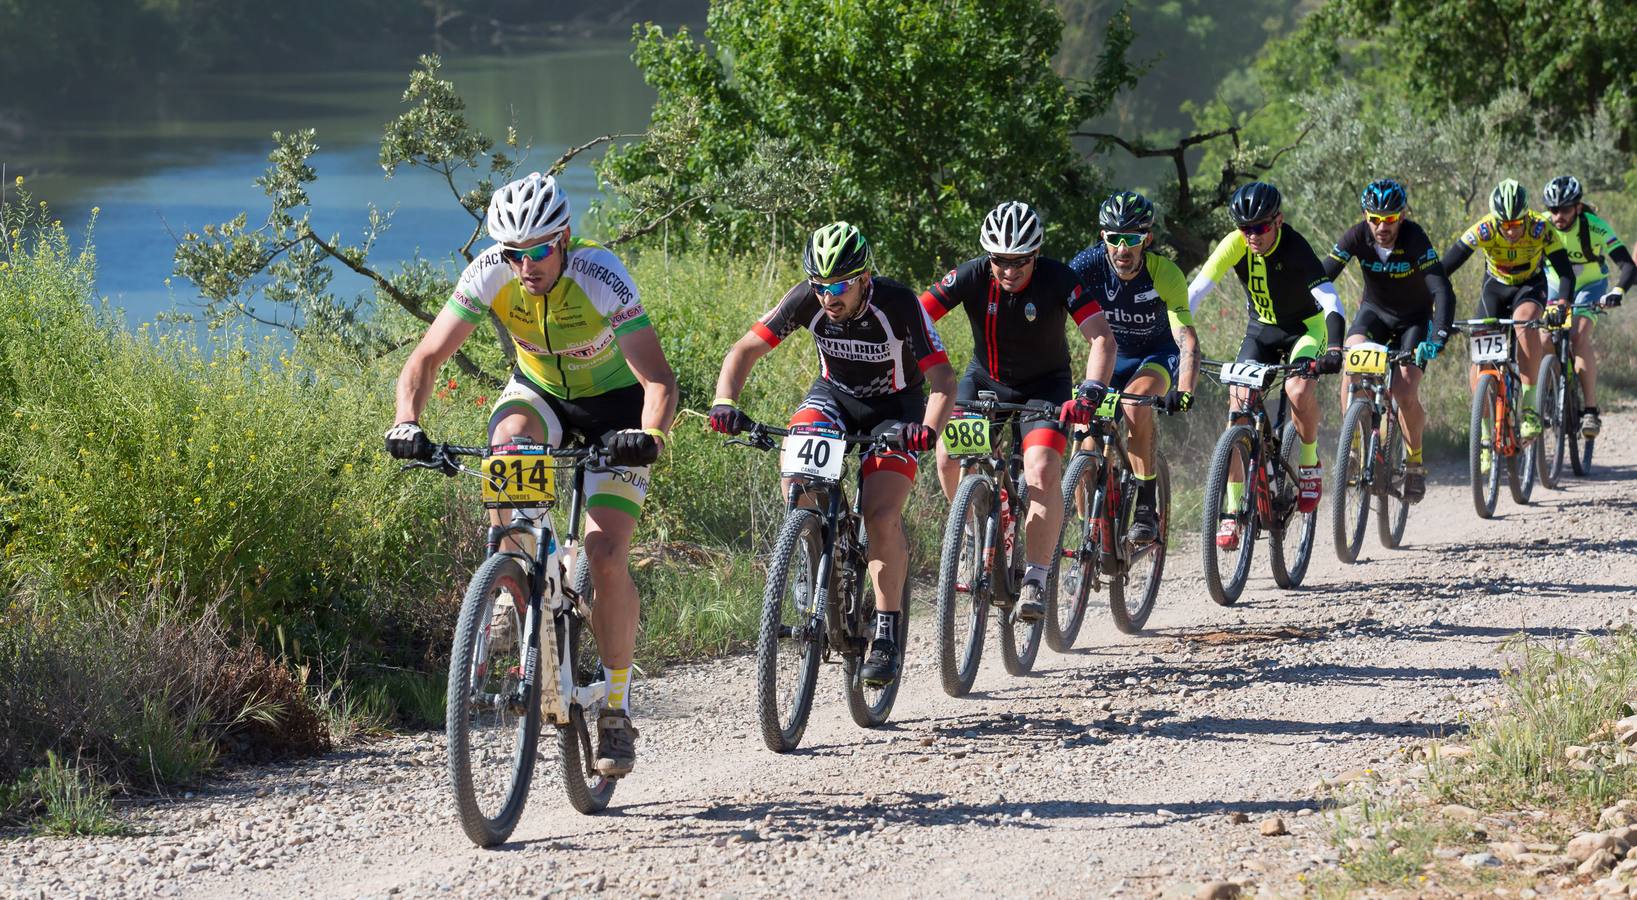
(838, 250)
(1509, 200)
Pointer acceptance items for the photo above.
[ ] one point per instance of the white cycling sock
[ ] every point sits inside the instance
(619, 687)
(1036, 574)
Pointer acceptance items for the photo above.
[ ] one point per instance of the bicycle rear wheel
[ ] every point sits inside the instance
(492, 720)
(1132, 593)
(1291, 546)
(788, 646)
(871, 706)
(1484, 426)
(1392, 510)
(588, 791)
(1236, 446)
(1550, 446)
(1066, 606)
(1020, 640)
(961, 607)
(1350, 498)
(1573, 405)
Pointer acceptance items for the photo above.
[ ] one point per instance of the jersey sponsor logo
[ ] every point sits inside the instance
(633, 478)
(469, 304)
(582, 266)
(528, 347)
(1256, 284)
(854, 351)
(1120, 316)
(625, 314)
(1539, 229)
(1029, 312)
(1395, 269)
(949, 279)
(520, 312)
(589, 349)
(1484, 231)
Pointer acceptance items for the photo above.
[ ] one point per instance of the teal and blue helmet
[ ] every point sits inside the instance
(1384, 195)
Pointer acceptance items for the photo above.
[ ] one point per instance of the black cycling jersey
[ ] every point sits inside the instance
(883, 349)
(1280, 285)
(1143, 311)
(1015, 337)
(1407, 283)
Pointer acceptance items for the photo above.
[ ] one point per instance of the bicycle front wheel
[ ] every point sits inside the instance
(789, 643)
(961, 607)
(493, 719)
(1573, 404)
(1483, 462)
(1291, 547)
(1392, 510)
(1550, 446)
(1235, 450)
(588, 791)
(1066, 606)
(1132, 593)
(1350, 497)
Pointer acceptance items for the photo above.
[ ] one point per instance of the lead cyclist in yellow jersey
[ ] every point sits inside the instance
(588, 362)
(1518, 244)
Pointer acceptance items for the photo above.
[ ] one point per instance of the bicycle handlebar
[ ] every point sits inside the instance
(444, 457)
(760, 437)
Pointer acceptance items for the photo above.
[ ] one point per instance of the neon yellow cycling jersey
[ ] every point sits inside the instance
(1514, 262)
(567, 340)
(1589, 242)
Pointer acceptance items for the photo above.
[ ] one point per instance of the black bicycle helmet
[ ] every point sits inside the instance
(1254, 202)
(1508, 201)
(1126, 211)
(1562, 191)
(837, 250)
(1384, 195)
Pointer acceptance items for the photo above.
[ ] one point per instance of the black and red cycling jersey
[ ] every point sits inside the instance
(881, 350)
(1016, 338)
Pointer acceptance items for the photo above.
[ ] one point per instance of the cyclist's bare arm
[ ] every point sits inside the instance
(647, 361)
(736, 365)
(940, 402)
(1100, 364)
(447, 332)
(1188, 366)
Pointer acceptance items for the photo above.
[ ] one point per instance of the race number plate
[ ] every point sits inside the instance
(1110, 407)
(1493, 347)
(967, 436)
(1246, 374)
(1366, 359)
(813, 455)
(519, 475)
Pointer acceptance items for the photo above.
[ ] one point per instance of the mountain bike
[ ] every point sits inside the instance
(983, 549)
(1265, 450)
(1494, 433)
(1100, 500)
(1568, 403)
(504, 678)
(1370, 454)
(817, 600)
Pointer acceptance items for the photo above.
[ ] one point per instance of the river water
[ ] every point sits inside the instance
(176, 159)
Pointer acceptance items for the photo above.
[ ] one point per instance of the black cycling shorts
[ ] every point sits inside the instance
(1271, 344)
(1501, 300)
(1382, 327)
(1053, 388)
(825, 403)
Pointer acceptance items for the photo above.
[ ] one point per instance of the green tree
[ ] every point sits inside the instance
(911, 121)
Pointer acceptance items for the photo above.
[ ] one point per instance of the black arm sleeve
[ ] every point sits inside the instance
(1334, 329)
(1457, 254)
(1559, 261)
(1621, 257)
(1443, 297)
(1332, 267)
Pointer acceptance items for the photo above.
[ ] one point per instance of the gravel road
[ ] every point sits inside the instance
(1116, 769)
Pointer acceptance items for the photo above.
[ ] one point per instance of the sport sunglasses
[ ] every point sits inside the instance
(1125, 238)
(836, 289)
(1010, 262)
(1383, 218)
(1255, 228)
(537, 253)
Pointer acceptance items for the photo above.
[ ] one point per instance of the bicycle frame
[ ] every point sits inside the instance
(1506, 441)
(1004, 466)
(1254, 409)
(1107, 434)
(1382, 408)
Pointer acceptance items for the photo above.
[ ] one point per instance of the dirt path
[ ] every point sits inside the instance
(1112, 770)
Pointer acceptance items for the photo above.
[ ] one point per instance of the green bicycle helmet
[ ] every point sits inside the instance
(1126, 211)
(837, 250)
(1509, 200)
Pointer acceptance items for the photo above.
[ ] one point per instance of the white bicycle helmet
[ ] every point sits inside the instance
(1011, 229)
(529, 208)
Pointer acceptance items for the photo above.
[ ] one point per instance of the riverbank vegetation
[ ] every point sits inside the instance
(206, 551)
